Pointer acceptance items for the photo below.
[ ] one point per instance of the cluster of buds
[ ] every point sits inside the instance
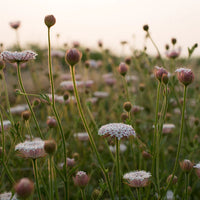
(161, 74)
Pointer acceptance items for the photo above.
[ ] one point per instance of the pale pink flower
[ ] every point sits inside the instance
(19, 109)
(137, 178)
(21, 57)
(15, 25)
(6, 125)
(81, 179)
(82, 136)
(7, 196)
(118, 130)
(31, 149)
(174, 53)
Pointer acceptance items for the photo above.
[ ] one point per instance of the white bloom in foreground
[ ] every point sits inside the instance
(118, 130)
(19, 109)
(31, 149)
(168, 128)
(13, 57)
(6, 125)
(137, 178)
(7, 196)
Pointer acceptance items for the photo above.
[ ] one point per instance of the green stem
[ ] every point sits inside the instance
(51, 176)
(56, 114)
(118, 166)
(138, 193)
(180, 139)
(8, 172)
(186, 185)
(27, 100)
(94, 148)
(126, 88)
(83, 194)
(36, 178)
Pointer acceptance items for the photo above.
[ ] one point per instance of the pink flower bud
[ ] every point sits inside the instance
(73, 56)
(49, 20)
(123, 68)
(185, 76)
(159, 72)
(81, 179)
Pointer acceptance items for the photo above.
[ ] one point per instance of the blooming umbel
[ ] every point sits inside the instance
(137, 178)
(13, 57)
(24, 188)
(81, 179)
(31, 149)
(118, 130)
(185, 76)
(159, 72)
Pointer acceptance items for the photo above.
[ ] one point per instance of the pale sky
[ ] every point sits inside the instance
(109, 20)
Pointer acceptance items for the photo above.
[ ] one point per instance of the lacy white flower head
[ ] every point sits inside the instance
(7, 196)
(20, 57)
(6, 125)
(137, 178)
(122, 147)
(118, 130)
(31, 149)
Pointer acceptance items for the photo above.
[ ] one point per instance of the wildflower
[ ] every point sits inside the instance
(159, 72)
(186, 165)
(173, 54)
(146, 155)
(51, 122)
(168, 128)
(70, 162)
(19, 109)
(81, 179)
(174, 181)
(13, 57)
(185, 76)
(118, 130)
(24, 188)
(92, 100)
(124, 117)
(31, 149)
(197, 169)
(49, 20)
(73, 56)
(8, 196)
(137, 178)
(170, 195)
(15, 25)
(123, 68)
(136, 109)
(57, 53)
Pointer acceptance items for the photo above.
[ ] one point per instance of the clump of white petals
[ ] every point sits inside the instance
(118, 130)
(101, 94)
(82, 136)
(6, 125)
(7, 196)
(31, 149)
(16, 56)
(197, 166)
(19, 109)
(137, 178)
(183, 70)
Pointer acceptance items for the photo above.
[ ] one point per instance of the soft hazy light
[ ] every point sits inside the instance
(109, 20)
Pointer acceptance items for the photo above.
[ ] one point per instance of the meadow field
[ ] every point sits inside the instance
(81, 123)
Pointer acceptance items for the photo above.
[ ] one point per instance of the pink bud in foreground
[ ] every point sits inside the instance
(81, 179)
(185, 76)
(24, 188)
(123, 69)
(159, 72)
(73, 56)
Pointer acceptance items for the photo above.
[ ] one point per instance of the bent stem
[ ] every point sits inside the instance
(118, 166)
(27, 100)
(180, 140)
(36, 178)
(94, 148)
(56, 114)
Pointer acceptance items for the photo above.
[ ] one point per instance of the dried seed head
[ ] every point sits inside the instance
(127, 106)
(49, 20)
(174, 181)
(24, 188)
(123, 68)
(186, 165)
(81, 179)
(66, 96)
(26, 115)
(50, 146)
(142, 87)
(36, 102)
(185, 76)
(146, 27)
(73, 56)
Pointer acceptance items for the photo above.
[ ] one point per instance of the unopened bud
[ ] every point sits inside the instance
(159, 71)
(123, 69)
(173, 40)
(185, 76)
(51, 122)
(165, 79)
(26, 115)
(145, 27)
(174, 181)
(50, 146)
(186, 165)
(49, 20)
(81, 179)
(127, 106)
(73, 56)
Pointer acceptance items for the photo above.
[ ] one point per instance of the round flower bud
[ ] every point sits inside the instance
(26, 115)
(124, 116)
(66, 96)
(127, 106)
(123, 68)
(81, 179)
(73, 56)
(36, 102)
(167, 47)
(173, 40)
(128, 60)
(24, 188)
(87, 63)
(146, 155)
(2, 64)
(145, 27)
(186, 165)
(142, 87)
(185, 76)
(174, 181)
(51, 122)
(50, 146)
(159, 71)
(165, 79)
(49, 20)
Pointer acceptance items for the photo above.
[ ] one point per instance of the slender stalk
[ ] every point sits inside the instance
(83, 194)
(186, 185)
(56, 113)
(94, 148)
(8, 172)
(51, 177)
(27, 100)
(126, 88)
(138, 193)
(118, 166)
(180, 139)
(36, 178)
